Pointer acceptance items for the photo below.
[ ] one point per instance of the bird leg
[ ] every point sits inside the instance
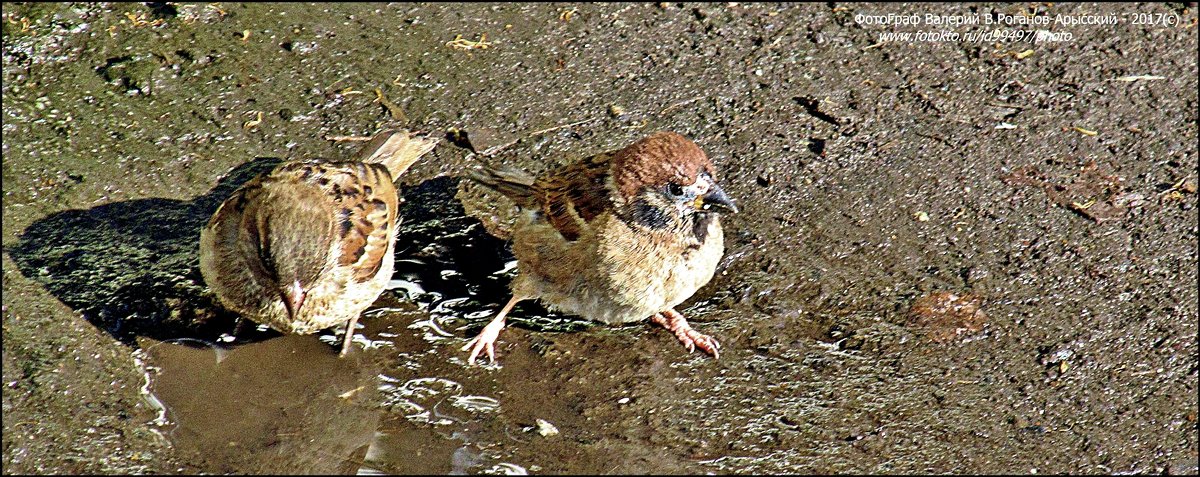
(349, 336)
(674, 322)
(238, 326)
(487, 338)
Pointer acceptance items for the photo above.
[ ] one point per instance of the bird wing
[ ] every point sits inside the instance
(573, 195)
(361, 205)
(569, 197)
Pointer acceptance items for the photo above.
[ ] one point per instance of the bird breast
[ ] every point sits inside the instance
(618, 274)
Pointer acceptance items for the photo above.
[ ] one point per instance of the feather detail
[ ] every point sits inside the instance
(321, 229)
(572, 196)
(568, 197)
(514, 184)
(396, 150)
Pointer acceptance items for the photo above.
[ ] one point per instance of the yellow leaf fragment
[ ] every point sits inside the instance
(461, 43)
(394, 109)
(254, 122)
(139, 20)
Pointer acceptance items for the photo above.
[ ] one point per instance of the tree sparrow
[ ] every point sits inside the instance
(618, 237)
(308, 245)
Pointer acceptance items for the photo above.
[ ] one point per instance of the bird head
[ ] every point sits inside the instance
(666, 181)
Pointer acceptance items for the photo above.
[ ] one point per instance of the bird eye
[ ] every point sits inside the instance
(674, 189)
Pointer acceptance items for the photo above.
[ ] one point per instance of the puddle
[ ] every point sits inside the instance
(283, 405)
(871, 174)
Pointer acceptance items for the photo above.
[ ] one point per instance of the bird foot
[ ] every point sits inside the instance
(486, 341)
(674, 322)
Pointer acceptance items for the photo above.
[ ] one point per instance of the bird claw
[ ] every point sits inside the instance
(485, 342)
(706, 343)
(674, 322)
(693, 339)
(476, 345)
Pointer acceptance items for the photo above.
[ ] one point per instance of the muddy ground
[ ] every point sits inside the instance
(952, 256)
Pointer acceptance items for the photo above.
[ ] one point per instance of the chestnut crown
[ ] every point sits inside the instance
(660, 159)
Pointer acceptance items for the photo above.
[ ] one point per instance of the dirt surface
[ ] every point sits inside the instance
(951, 256)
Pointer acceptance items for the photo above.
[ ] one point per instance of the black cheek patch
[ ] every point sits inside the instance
(650, 216)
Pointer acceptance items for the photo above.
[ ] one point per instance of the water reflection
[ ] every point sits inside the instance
(395, 405)
(433, 407)
(286, 405)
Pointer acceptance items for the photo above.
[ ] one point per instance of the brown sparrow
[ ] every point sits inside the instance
(308, 245)
(618, 237)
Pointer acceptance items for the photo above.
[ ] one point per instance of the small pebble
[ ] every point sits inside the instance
(546, 429)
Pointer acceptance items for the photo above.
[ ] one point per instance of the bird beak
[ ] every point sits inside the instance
(293, 298)
(716, 199)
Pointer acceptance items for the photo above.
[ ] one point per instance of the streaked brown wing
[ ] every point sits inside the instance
(573, 195)
(365, 205)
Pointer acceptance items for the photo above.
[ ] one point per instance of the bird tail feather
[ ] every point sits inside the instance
(396, 149)
(513, 183)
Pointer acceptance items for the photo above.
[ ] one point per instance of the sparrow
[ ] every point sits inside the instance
(308, 245)
(618, 237)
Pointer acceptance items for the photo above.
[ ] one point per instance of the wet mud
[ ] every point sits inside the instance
(967, 257)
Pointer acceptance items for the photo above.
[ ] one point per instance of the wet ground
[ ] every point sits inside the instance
(952, 256)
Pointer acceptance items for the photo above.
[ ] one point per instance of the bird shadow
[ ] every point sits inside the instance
(132, 268)
(448, 263)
